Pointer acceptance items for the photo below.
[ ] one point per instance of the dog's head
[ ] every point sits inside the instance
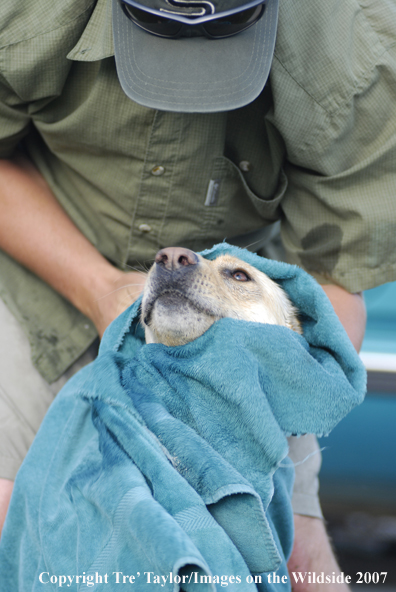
(185, 294)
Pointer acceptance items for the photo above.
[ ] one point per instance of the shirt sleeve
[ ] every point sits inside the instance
(334, 104)
(14, 119)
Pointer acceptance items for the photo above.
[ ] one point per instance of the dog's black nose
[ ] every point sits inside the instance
(175, 258)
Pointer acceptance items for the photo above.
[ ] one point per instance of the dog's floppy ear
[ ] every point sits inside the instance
(293, 323)
(290, 312)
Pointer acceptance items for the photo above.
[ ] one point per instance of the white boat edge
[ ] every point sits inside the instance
(378, 362)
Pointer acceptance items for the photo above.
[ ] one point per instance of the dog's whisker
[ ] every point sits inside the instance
(251, 244)
(136, 269)
(117, 290)
(144, 265)
(141, 268)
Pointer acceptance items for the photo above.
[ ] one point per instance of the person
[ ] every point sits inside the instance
(117, 141)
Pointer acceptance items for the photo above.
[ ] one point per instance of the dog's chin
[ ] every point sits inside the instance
(176, 320)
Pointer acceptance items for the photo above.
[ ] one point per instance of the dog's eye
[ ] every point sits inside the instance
(240, 276)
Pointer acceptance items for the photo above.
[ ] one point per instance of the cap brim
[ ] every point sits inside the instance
(194, 75)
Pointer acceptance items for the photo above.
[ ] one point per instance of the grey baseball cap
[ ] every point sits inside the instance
(194, 74)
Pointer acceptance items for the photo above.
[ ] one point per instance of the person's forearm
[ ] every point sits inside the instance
(351, 311)
(312, 550)
(36, 231)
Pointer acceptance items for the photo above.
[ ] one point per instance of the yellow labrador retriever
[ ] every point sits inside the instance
(185, 294)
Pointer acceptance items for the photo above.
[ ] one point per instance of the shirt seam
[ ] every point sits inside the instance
(299, 85)
(51, 30)
(353, 89)
(139, 192)
(171, 183)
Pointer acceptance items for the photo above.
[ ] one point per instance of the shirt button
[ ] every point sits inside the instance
(144, 228)
(245, 166)
(158, 170)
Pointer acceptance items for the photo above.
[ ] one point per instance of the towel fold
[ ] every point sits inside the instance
(172, 462)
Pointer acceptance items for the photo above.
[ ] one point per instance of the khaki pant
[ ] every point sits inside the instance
(25, 397)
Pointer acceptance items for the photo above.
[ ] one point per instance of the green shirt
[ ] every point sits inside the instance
(316, 150)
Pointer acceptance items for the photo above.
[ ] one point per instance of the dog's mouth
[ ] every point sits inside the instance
(173, 301)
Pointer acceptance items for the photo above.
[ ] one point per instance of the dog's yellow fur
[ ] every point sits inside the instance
(185, 294)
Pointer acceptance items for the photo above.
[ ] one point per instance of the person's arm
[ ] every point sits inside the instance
(36, 231)
(312, 549)
(351, 311)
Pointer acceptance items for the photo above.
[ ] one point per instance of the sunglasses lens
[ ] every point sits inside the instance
(217, 28)
(234, 23)
(152, 23)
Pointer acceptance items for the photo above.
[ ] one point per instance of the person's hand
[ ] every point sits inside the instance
(37, 232)
(120, 294)
(312, 553)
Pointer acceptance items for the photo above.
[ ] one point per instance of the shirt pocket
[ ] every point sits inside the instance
(232, 208)
(229, 193)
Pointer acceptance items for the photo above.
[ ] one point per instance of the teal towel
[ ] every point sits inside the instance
(171, 463)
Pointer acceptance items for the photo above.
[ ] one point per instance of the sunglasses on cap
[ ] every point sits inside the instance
(228, 23)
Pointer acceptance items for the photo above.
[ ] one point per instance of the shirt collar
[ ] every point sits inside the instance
(96, 42)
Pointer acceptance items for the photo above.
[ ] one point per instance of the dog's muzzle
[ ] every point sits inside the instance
(171, 275)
